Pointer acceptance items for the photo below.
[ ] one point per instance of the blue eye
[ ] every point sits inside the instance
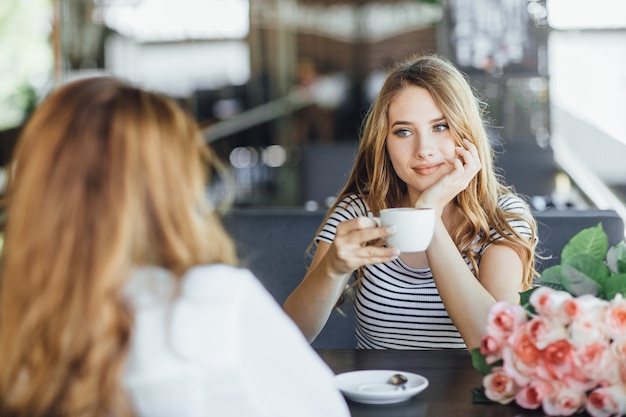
(440, 127)
(402, 133)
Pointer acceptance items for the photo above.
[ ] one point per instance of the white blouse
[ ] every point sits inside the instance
(222, 347)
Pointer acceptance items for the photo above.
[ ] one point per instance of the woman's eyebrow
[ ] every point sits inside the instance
(435, 120)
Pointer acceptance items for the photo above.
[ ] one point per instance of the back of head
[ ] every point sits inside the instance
(105, 178)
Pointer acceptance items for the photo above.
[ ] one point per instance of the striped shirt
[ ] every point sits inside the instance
(397, 306)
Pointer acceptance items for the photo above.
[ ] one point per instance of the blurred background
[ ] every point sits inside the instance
(280, 87)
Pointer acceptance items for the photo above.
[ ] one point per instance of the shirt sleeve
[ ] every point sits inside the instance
(282, 371)
(349, 208)
(513, 204)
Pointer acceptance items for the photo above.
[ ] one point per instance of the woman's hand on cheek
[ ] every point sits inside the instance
(464, 166)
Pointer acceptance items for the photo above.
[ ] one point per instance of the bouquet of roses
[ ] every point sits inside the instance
(564, 347)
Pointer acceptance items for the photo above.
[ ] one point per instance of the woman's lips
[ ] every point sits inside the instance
(426, 169)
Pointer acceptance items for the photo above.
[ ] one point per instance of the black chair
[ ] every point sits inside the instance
(273, 244)
(557, 227)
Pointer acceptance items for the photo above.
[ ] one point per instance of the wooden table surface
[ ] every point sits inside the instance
(451, 378)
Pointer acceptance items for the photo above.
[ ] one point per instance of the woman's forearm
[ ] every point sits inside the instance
(466, 300)
(311, 303)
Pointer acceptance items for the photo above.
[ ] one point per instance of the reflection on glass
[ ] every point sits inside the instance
(167, 20)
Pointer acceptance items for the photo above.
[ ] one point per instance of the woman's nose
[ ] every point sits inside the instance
(424, 147)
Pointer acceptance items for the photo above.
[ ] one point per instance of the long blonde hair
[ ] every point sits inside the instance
(105, 178)
(374, 178)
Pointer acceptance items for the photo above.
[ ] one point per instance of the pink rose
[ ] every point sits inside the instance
(594, 360)
(499, 386)
(547, 301)
(618, 349)
(615, 318)
(586, 329)
(570, 309)
(542, 331)
(503, 318)
(525, 348)
(584, 305)
(558, 360)
(521, 358)
(491, 348)
(607, 401)
(572, 347)
(563, 401)
(531, 396)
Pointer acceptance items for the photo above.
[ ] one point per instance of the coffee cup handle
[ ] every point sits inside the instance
(377, 220)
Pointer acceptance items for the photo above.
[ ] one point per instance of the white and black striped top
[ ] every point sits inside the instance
(398, 307)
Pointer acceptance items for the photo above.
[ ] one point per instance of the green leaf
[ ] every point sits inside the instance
(615, 284)
(577, 282)
(479, 362)
(592, 241)
(552, 277)
(479, 397)
(596, 270)
(616, 258)
(524, 298)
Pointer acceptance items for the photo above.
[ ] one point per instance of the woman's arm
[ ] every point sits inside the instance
(467, 298)
(311, 303)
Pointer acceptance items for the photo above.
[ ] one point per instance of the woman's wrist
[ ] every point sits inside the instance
(335, 275)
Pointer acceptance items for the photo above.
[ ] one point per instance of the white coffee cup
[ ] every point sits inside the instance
(415, 227)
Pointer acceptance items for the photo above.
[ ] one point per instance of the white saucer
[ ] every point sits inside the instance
(371, 387)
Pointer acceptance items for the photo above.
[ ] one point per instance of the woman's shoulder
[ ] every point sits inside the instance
(207, 280)
(155, 284)
(353, 205)
(517, 212)
(349, 207)
(216, 272)
(514, 203)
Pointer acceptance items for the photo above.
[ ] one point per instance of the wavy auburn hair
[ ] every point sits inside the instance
(105, 178)
(374, 178)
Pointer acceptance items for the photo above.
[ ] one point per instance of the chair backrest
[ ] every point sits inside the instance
(557, 227)
(273, 244)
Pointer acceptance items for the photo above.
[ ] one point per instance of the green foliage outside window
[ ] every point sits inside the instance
(26, 57)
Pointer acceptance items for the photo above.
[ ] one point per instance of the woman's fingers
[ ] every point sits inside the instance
(469, 155)
(351, 244)
(465, 166)
(365, 255)
(361, 230)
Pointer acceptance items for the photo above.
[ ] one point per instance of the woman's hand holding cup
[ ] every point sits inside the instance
(350, 250)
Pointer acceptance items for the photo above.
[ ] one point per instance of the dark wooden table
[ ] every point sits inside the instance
(450, 375)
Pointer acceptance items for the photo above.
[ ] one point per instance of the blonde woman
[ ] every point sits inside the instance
(424, 144)
(119, 293)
